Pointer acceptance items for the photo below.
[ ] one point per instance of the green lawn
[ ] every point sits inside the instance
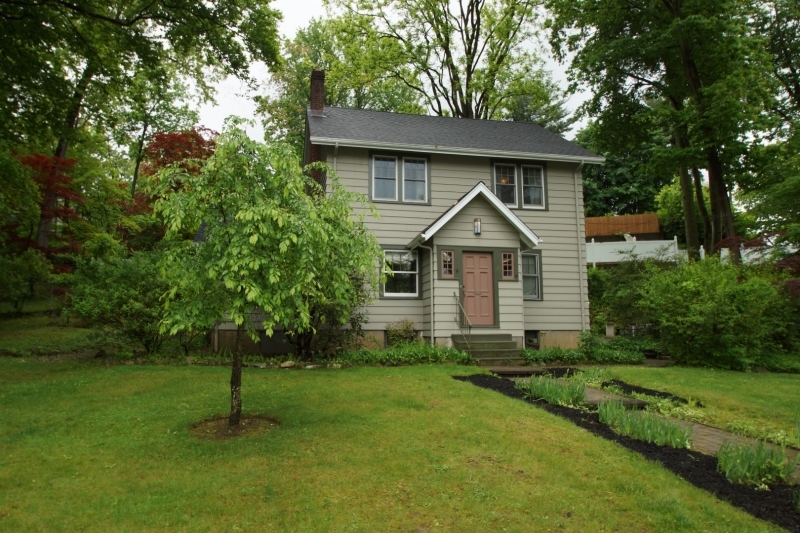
(767, 401)
(92, 448)
(40, 334)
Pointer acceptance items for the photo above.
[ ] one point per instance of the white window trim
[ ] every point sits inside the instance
(425, 162)
(516, 190)
(415, 294)
(544, 188)
(396, 184)
(538, 277)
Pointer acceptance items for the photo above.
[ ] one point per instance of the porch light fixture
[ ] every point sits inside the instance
(477, 223)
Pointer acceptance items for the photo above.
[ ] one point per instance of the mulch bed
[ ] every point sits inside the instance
(775, 505)
(217, 428)
(626, 388)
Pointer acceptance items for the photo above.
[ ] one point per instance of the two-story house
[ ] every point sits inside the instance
(481, 221)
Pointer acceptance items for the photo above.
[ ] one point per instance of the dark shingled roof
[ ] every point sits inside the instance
(440, 133)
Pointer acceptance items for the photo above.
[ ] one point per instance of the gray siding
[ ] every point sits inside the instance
(451, 178)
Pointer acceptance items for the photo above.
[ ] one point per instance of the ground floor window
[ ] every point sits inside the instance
(403, 280)
(531, 277)
(447, 264)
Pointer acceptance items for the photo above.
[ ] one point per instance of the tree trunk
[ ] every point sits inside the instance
(719, 196)
(236, 379)
(689, 216)
(138, 161)
(73, 113)
(701, 206)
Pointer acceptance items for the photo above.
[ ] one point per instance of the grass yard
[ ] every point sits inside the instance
(92, 448)
(766, 401)
(42, 335)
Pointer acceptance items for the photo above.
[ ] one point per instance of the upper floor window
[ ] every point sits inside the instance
(399, 179)
(384, 172)
(415, 187)
(403, 278)
(532, 187)
(505, 184)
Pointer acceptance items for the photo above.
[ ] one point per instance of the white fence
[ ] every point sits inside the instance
(618, 251)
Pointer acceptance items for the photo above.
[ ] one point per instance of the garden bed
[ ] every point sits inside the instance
(624, 387)
(776, 505)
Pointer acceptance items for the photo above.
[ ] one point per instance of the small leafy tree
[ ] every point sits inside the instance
(122, 294)
(20, 276)
(269, 239)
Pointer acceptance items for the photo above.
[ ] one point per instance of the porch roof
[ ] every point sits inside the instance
(527, 236)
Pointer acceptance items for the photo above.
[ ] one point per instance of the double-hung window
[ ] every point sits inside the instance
(403, 280)
(384, 184)
(415, 188)
(532, 187)
(399, 179)
(505, 184)
(531, 277)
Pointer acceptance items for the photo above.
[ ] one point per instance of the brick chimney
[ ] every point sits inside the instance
(317, 92)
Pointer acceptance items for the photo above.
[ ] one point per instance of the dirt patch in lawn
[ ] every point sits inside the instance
(217, 428)
(776, 505)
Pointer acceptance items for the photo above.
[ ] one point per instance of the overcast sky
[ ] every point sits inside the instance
(234, 98)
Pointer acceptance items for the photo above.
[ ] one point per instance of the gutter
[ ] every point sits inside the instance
(581, 263)
(332, 141)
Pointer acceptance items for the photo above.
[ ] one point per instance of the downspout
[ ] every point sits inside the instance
(433, 294)
(581, 264)
(335, 153)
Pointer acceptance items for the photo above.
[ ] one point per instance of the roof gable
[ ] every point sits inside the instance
(430, 134)
(527, 236)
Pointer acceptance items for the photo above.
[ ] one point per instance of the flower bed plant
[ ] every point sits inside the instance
(757, 465)
(554, 392)
(643, 425)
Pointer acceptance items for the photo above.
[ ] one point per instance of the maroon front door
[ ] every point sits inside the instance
(478, 288)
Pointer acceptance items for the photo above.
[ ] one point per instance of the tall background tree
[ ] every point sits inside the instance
(467, 59)
(697, 65)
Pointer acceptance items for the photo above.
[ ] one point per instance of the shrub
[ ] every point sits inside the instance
(551, 355)
(643, 426)
(554, 392)
(20, 275)
(406, 353)
(757, 464)
(598, 350)
(123, 295)
(718, 315)
(401, 331)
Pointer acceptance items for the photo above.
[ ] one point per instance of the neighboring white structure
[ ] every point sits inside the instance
(618, 251)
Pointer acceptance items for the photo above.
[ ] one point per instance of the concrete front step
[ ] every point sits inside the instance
(482, 337)
(499, 361)
(485, 345)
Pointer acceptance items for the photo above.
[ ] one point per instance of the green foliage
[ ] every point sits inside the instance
(749, 428)
(599, 350)
(592, 377)
(268, 248)
(758, 465)
(570, 394)
(592, 349)
(713, 314)
(404, 353)
(628, 181)
(355, 77)
(123, 295)
(20, 276)
(402, 331)
(643, 426)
